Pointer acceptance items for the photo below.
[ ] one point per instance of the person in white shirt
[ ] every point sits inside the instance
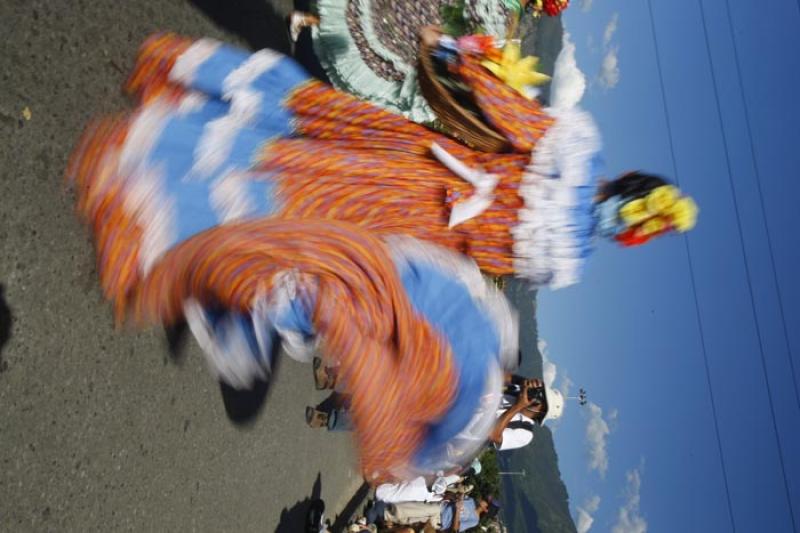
(527, 403)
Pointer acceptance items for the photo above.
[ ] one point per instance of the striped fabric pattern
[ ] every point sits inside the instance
(331, 179)
(362, 315)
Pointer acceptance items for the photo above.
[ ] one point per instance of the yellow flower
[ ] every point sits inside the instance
(684, 214)
(634, 212)
(654, 225)
(515, 72)
(661, 199)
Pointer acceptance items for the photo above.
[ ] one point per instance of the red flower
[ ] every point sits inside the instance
(554, 7)
(476, 44)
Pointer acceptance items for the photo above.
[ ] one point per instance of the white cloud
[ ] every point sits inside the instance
(592, 504)
(549, 370)
(609, 70)
(629, 518)
(569, 83)
(585, 519)
(611, 29)
(586, 5)
(597, 432)
(565, 385)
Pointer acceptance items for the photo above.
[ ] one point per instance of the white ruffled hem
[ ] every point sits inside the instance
(347, 71)
(492, 301)
(233, 362)
(470, 441)
(547, 248)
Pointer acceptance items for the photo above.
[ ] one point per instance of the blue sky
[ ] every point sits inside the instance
(656, 334)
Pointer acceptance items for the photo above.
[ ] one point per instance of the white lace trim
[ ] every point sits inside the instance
(216, 143)
(144, 132)
(187, 64)
(245, 74)
(547, 250)
(463, 448)
(230, 197)
(233, 363)
(285, 287)
(191, 102)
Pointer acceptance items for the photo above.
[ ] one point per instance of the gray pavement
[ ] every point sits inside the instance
(99, 429)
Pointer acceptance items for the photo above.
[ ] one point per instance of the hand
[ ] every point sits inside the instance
(522, 399)
(430, 35)
(534, 383)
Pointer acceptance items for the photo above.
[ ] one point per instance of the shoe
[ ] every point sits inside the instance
(316, 418)
(324, 377)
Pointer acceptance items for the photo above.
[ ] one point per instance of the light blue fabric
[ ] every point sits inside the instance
(584, 214)
(469, 515)
(211, 74)
(447, 305)
(295, 317)
(609, 223)
(174, 155)
(443, 301)
(226, 326)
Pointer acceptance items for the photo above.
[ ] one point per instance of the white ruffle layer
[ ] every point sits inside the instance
(549, 249)
(492, 301)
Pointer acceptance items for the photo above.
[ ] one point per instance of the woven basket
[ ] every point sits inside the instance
(457, 120)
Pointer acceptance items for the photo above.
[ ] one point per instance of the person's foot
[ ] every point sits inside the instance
(324, 377)
(316, 418)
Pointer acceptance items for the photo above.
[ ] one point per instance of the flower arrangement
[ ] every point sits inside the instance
(549, 7)
(661, 210)
(517, 72)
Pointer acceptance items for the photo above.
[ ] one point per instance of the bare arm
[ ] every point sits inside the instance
(496, 436)
(459, 506)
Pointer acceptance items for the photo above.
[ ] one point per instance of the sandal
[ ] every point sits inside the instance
(324, 377)
(320, 374)
(316, 418)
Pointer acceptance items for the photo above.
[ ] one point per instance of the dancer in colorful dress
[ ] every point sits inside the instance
(369, 48)
(259, 204)
(255, 136)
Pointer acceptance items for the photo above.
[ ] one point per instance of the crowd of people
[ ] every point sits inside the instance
(265, 207)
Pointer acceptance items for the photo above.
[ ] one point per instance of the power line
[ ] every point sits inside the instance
(749, 130)
(692, 275)
(746, 263)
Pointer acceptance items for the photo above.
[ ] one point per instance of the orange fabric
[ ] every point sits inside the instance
(362, 314)
(520, 120)
(363, 164)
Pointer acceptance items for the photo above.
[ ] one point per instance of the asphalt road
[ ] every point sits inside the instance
(99, 428)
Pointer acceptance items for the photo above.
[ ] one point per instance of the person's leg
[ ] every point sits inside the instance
(376, 512)
(299, 20)
(339, 420)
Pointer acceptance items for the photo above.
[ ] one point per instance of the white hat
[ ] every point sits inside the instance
(555, 404)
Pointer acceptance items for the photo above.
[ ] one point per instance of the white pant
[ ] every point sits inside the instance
(415, 490)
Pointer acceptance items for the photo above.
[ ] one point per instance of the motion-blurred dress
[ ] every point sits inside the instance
(261, 205)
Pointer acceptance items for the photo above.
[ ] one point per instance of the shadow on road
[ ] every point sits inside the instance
(260, 26)
(241, 406)
(255, 21)
(304, 515)
(5, 326)
(176, 341)
(350, 509)
(244, 406)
